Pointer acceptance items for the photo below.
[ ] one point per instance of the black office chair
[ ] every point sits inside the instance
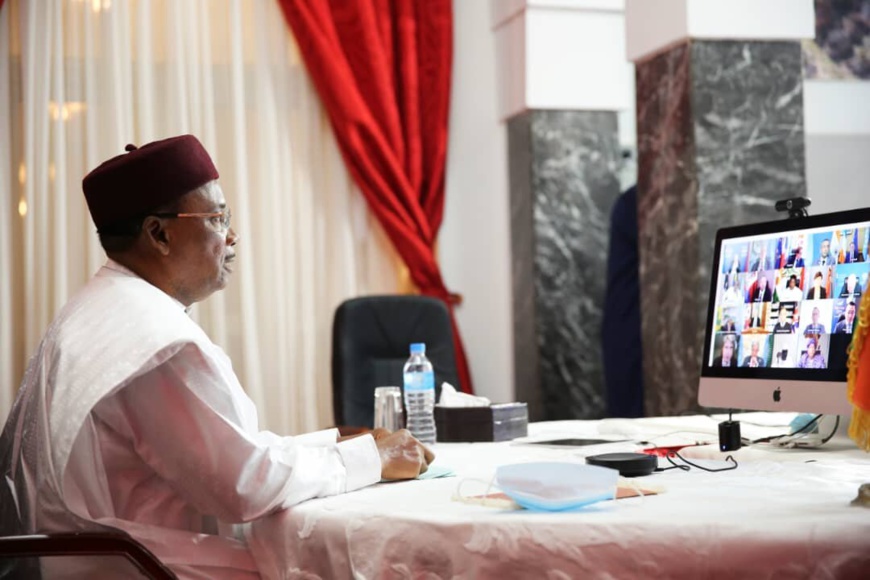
(19, 555)
(371, 337)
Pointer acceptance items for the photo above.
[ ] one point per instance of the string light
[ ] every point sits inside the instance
(22, 173)
(22, 206)
(66, 110)
(99, 5)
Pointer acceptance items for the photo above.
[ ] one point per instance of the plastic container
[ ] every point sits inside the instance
(419, 387)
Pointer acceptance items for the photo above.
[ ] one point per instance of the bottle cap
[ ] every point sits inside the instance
(418, 348)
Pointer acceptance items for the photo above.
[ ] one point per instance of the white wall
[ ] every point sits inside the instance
(837, 119)
(474, 246)
(838, 172)
(561, 54)
(576, 60)
(837, 107)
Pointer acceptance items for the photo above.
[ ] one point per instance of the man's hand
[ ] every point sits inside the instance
(402, 456)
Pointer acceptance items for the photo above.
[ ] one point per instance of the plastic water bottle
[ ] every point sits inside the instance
(419, 382)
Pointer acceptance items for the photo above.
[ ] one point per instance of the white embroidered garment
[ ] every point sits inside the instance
(130, 417)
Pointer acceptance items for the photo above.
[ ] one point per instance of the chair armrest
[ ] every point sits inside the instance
(86, 543)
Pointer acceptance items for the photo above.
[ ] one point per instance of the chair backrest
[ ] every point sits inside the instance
(371, 337)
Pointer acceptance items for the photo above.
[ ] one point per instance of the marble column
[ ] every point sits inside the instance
(720, 138)
(564, 179)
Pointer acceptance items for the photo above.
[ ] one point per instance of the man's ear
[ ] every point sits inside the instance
(156, 234)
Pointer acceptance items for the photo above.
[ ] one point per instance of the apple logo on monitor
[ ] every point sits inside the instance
(777, 394)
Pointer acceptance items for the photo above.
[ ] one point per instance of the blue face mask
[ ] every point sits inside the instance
(550, 486)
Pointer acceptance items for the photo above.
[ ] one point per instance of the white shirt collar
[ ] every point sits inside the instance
(124, 270)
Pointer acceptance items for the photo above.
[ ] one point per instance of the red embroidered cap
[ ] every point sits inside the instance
(144, 178)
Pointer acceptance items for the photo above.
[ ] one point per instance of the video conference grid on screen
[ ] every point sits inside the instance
(790, 300)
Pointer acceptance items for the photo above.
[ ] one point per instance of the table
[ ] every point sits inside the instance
(781, 514)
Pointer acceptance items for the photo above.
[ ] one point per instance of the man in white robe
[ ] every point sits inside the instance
(129, 417)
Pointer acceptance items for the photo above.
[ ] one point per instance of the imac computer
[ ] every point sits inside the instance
(784, 299)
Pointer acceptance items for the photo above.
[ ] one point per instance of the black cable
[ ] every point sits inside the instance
(833, 431)
(713, 417)
(745, 422)
(675, 465)
(687, 462)
(649, 440)
(809, 425)
(729, 458)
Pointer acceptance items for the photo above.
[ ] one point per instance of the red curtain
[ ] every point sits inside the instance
(382, 69)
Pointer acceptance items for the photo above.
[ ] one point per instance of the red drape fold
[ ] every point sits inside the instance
(382, 69)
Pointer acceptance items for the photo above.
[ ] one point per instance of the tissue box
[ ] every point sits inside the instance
(501, 422)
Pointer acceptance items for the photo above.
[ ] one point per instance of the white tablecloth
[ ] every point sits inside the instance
(776, 516)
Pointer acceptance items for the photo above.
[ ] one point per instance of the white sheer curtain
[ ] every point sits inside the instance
(79, 79)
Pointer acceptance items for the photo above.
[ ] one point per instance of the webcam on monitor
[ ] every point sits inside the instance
(793, 204)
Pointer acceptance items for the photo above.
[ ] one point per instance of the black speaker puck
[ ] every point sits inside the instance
(627, 464)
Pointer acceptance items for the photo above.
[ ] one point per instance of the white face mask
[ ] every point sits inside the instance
(555, 486)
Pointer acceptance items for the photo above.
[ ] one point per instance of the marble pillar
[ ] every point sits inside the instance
(564, 179)
(720, 138)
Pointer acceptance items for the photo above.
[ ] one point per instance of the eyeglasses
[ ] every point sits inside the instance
(220, 219)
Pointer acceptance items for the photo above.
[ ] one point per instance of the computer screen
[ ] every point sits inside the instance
(784, 298)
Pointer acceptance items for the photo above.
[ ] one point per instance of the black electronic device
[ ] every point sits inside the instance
(729, 436)
(627, 464)
(795, 206)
